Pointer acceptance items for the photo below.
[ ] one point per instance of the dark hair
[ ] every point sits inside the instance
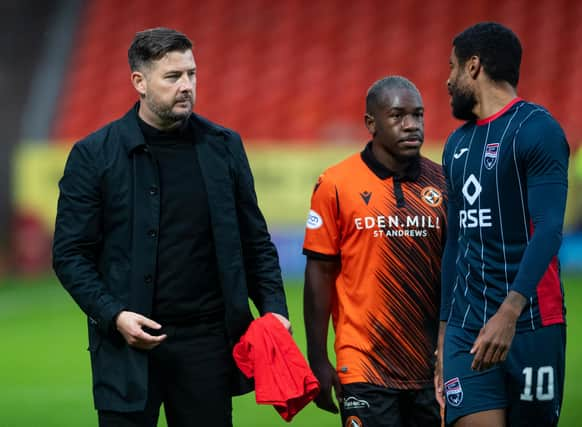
(497, 47)
(150, 45)
(374, 96)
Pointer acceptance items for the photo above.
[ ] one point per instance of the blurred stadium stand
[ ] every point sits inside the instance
(299, 69)
(283, 72)
(24, 25)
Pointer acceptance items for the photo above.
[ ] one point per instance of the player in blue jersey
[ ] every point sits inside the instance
(502, 308)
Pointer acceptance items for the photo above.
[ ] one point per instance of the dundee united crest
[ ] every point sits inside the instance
(431, 196)
(354, 422)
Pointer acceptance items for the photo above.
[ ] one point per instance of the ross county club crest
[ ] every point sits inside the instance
(454, 392)
(490, 158)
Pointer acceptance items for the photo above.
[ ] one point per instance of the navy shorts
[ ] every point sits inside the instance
(368, 405)
(529, 384)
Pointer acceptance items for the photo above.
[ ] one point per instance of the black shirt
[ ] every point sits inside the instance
(187, 283)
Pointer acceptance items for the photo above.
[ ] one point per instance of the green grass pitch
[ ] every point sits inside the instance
(45, 376)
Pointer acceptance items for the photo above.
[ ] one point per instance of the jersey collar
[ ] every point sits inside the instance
(501, 112)
(410, 174)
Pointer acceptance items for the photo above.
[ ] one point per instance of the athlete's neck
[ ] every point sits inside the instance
(397, 166)
(492, 98)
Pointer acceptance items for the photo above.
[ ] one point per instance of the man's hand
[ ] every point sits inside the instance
(283, 320)
(494, 340)
(131, 325)
(328, 378)
(438, 366)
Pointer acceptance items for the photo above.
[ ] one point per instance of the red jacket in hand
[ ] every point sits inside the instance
(283, 379)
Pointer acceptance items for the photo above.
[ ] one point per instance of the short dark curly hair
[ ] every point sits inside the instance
(150, 45)
(497, 47)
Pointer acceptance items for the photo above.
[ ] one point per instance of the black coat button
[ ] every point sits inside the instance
(153, 190)
(152, 233)
(147, 278)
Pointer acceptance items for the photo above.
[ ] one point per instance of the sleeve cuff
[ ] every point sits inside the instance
(523, 289)
(106, 316)
(320, 256)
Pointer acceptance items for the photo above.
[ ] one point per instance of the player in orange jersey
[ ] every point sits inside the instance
(373, 241)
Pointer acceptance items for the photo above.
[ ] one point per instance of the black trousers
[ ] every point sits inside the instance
(189, 373)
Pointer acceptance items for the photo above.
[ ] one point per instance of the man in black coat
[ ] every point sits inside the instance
(160, 241)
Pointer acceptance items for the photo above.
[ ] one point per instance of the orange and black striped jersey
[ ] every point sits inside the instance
(389, 235)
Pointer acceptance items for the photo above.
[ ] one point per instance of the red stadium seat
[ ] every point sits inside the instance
(298, 69)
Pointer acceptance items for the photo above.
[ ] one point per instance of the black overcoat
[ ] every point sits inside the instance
(104, 250)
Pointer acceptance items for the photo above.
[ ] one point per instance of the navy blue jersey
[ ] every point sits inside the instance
(507, 182)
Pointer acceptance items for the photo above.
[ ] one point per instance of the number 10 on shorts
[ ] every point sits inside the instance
(544, 380)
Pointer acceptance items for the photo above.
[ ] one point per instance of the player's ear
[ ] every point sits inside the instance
(473, 66)
(370, 123)
(139, 82)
